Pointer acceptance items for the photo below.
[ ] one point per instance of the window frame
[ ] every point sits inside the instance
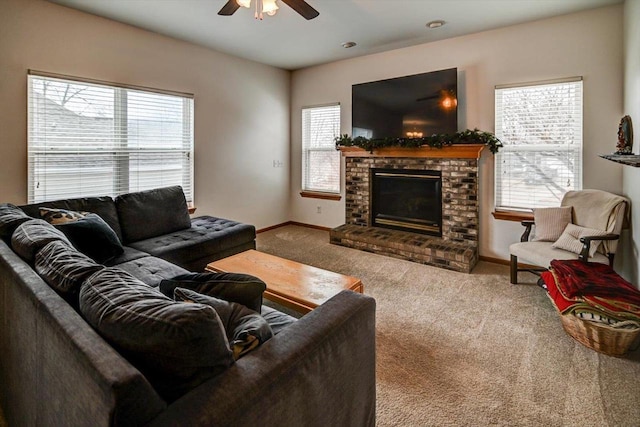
(306, 191)
(574, 150)
(116, 149)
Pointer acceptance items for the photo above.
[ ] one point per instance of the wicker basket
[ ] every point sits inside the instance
(612, 341)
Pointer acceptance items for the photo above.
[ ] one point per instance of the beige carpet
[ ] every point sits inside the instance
(470, 349)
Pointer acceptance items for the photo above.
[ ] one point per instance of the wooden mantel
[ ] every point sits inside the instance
(456, 151)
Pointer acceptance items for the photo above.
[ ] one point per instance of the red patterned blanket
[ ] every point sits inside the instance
(575, 284)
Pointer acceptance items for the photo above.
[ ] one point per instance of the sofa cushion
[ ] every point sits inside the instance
(277, 320)
(175, 345)
(93, 237)
(233, 287)
(129, 254)
(33, 235)
(105, 207)
(152, 213)
(245, 328)
(60, 216)
(207, 235)
(151, 270)
(64, 269)
(11, 217)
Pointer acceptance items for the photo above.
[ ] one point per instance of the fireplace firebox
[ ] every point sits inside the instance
(409, 200)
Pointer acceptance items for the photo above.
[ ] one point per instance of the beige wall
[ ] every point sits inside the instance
(241, 107)
(631, 175)
(587, 44)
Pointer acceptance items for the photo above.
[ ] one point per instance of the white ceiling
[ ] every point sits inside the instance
(288, 41)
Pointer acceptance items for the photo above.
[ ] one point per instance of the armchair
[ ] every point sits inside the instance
(602, 215)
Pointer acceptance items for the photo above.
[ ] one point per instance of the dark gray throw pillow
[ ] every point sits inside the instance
(65, 269)
(33, 235)
(152, 213)
(175, 345)
(93, 237)
(245, 328)
(11, 217)
(234, 287)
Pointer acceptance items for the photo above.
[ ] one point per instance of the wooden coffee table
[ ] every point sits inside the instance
(297, 286)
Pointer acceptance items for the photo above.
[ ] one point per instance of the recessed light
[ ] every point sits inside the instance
(347, 45)
(435, 24)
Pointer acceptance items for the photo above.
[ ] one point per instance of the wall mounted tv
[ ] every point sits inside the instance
(408, 107)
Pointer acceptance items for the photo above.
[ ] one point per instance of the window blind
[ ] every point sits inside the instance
(88, 139)
(540, 126)
(320, 159)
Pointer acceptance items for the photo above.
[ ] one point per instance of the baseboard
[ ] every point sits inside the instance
(299, 224)
(315, 227)
(521, 266)
(273, 227)
(493, 260)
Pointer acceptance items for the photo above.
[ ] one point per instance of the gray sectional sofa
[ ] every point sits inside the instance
(60, 366)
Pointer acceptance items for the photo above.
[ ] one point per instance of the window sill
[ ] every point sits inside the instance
(512, 215)
(191, 208)
(318, 195)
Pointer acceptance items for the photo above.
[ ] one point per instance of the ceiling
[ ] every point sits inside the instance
(288, 41)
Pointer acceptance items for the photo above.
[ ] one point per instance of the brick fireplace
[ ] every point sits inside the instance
(457, 167)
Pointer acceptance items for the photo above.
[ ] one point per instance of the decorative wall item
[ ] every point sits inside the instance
(625, 137)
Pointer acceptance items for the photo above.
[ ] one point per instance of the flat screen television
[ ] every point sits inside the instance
(406, 107)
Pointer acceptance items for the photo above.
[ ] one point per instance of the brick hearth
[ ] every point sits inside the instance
(457, 249)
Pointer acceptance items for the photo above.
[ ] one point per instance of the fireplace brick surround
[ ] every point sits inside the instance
(458, 248)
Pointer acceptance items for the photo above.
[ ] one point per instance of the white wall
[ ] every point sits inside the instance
(241, 107)
(631, 175)
(587, 44)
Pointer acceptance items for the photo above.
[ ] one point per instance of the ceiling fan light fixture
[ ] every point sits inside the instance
(436, 24)
(244, 3)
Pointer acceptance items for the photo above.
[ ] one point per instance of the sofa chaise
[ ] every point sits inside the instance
(60, 366)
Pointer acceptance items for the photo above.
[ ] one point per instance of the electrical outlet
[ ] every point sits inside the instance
(319, 209)
(278, 164)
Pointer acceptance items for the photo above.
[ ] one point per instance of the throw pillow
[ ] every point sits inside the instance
(245, 328)
(234, 287)
(570, 239)
(550, 223)
(11, 217)
(33, 235)
(65, 269)
(93, 237)
(177, 346)
(166, 206)
(60, 216)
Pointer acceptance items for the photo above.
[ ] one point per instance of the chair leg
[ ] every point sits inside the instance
(513, 270)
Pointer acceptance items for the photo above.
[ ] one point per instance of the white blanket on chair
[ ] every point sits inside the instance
(594, 208)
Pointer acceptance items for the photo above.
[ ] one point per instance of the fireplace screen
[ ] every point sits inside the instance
(409, 200)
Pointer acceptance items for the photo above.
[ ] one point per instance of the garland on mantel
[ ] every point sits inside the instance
(435, 141)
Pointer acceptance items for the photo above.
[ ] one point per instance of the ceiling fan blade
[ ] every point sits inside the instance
(302, 7)
(229, 8)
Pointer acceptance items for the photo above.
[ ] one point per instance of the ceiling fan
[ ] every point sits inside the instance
(269, 7)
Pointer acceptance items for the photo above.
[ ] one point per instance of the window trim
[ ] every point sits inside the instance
(45, 74)
(120, 89)
(523, 213)
(311, 193)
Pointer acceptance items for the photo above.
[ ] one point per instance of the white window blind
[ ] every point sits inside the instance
(87, 139)
(540, 126)
(320, 159)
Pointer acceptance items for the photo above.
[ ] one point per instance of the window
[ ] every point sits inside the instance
(320, 159)
(540, 126)
(92, 139)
